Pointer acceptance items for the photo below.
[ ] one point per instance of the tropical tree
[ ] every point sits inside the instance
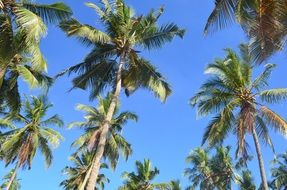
(15, 184)
(216, 172)
(247, 181)
(21, 29)
(94, 119)
(279, 172)
(21, 144)
(77, 173)
(142, 178)
(262, 20)
(173, 185)
(238, 102)
(115, 62)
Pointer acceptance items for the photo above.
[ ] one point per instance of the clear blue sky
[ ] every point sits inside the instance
(167, 132)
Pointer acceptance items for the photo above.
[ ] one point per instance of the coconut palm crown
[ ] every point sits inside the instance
(22, 26)
(76, 174)
(34, 133)
(125, 34)
(142, 178)
(94, 117)
(262, 20)
(238, 102)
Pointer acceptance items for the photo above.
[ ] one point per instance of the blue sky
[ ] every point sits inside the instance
(165, 133)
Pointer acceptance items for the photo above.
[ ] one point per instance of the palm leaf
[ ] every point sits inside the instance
(53, 13)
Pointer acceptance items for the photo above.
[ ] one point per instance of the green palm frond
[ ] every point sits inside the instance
(53, 13)
(221, 16)
(273, 95)
(158, 37)
(85, 33)
(261, 80)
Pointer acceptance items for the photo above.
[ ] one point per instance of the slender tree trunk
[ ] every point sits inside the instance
(105, 127)
(82, 187)
(2, 74)
(260, 159)
(13, 176)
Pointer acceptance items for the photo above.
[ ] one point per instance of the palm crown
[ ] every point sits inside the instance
(262, 20)
(21, 143)
(77, 173)
(216, 172)
(279, 172)
(94, 117)
(142, 178)
(124, 34)
(21, 29)
(238, 101)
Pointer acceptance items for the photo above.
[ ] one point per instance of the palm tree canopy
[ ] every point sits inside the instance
(94, 118)
(76, 173)
(125, 34)
(21, 143)
(21, 29)
(142, 178)
(238, 101)
(263, 21)
(279, 172)
(210, 172)
(247, 181)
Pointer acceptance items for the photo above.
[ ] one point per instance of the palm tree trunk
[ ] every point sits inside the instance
(82, 187)
(12, 178)
(105, 128)
(2, 74)
(260, 159)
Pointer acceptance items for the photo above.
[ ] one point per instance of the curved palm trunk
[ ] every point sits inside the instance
(13, 176)
(260, 159)
(2, 74)
(105, 128)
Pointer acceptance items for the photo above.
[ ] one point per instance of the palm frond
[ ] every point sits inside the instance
(221, 16)
(273, 95)
(85, 33)
(53, 13)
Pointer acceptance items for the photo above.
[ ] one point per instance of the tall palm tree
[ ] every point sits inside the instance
(94, 119)
(238, 102)
(22, 25)
(115, 61)
(142, 178)
(279, 172)
(21, 144)
(15, 184)
(77, 173)
(216, 172)
(247, 181)
(262, 20)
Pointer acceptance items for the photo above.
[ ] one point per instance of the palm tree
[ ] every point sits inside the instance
(142, 178)
(247, 181)
(15, 184)
(262, 20)
(279, 173)
(174, 185)
(216, 172)
(115, 62)
(21, 144)
(21, 29)
(94, 119)
(77, 173)
(238, 103)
